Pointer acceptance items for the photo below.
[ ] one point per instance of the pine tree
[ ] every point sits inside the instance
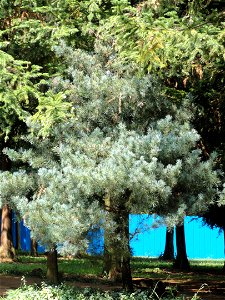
(126, 150)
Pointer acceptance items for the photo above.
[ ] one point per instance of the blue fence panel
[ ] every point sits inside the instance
(202, 241)
(96, 241)
(148, 238)
(147, 235)
(25, 241)
(14, 229)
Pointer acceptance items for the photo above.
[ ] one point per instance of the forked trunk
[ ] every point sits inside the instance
(116, 248)
(169, 247)
(7, 250)
(52, 266)
(181, 261)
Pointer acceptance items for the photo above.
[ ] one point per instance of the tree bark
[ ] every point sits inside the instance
(116, 248)
(112, 253)
(7, 250)
(112, 260)
(125, 263)
(52, 266)
(181, 261)
(33, 247)
(169, 247)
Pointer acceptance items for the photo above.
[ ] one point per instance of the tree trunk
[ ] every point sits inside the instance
(7, 250)
(116, 248)
(33, 247)
(52, 266)
(169, 247)
(125, 263)
(112, 253)
(181, 261)
(112, 260)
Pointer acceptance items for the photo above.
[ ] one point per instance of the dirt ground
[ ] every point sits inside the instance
(213, 291)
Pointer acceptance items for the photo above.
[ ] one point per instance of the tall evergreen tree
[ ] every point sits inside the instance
(126, 150)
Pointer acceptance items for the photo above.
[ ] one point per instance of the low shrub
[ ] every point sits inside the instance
(64, 292)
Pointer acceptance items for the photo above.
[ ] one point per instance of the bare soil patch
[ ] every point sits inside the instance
(13, 282)
(211, 290)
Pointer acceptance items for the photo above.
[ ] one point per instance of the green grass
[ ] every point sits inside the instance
(26, 264)
(92, 266)
(88, 269)
(18, 268)
(201, 270)
(81, 266)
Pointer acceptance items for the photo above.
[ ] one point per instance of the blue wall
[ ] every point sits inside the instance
(148, 238)
(201, 241)
(24, 234)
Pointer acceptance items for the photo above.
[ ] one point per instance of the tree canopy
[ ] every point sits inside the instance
(123, 103)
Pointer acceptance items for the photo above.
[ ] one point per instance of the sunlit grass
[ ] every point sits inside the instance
(81, 266)
(18, 268)
(93, 266)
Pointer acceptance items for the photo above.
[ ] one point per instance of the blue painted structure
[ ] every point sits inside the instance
(148, 238)
(201, 241)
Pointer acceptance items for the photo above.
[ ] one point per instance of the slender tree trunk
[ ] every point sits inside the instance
(117, 251)
(7, 250)
(125, 263)
(33, 247)
(52, 266)
(181, 261)
(169, 247)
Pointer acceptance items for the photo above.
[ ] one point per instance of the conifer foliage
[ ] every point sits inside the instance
(124, 149)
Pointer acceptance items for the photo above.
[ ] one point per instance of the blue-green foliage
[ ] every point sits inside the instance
(123, 141)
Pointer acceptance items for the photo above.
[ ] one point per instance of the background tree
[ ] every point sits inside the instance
(18, 96)
(182, 44)
(20, 93)
(168, 253)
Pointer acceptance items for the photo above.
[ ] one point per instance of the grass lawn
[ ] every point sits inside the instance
(88, 271)
(92, 266)
(26, 264)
